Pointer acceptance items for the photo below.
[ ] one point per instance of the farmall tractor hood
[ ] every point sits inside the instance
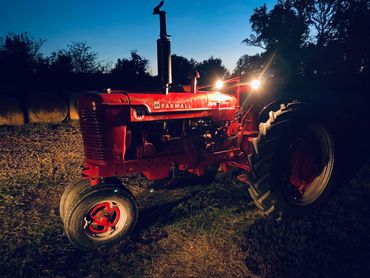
(152, 107)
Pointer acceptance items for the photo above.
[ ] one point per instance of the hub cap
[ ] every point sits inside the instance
(104, 220)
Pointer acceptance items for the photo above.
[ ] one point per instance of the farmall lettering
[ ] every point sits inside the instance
(171, 105)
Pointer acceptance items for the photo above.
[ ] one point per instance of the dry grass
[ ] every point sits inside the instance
(46, 108)
(10, 112)
(197, 231)
(73, 106)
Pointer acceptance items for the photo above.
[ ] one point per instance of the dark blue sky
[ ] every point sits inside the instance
(199, 28)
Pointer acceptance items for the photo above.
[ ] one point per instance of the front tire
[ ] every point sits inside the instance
(100, 215)
(70, 194)
(294, 162)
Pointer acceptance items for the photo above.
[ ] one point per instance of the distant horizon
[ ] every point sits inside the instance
(114, 30)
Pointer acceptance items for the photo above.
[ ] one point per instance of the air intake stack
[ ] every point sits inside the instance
(163, 50)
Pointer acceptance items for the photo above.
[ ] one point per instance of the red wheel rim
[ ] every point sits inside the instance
(305, 162)
(311, 165)
(105, 219)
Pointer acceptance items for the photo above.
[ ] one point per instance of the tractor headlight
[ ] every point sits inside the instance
(255, 84)
(219, 84)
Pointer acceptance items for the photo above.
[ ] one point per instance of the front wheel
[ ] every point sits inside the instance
(294, 162)
(101, 215)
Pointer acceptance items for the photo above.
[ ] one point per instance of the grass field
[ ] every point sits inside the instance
(194, 231)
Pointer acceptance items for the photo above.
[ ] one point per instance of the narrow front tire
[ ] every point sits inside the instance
(100, 216)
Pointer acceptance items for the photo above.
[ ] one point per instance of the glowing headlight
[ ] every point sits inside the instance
(219, 84)
(255, 84)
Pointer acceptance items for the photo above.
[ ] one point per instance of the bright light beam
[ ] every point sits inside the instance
(219, 84)
(255, 84)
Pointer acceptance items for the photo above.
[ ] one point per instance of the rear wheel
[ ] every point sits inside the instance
(294, 162)
(100, 215)
(311, 165)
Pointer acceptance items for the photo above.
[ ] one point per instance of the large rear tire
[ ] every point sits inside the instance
(294, 162)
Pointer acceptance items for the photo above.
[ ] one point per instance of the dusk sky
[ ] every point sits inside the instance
(198, 28)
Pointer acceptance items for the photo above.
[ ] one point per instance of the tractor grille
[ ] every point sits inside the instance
(93, 134)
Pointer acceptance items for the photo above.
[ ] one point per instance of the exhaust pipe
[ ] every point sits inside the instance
(163, 51)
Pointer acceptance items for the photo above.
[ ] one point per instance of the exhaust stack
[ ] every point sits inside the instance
(163, 51)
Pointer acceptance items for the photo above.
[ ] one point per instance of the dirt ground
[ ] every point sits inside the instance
(190, 231)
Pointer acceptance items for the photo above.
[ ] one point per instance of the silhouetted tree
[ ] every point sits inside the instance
(322, 42)
(76, 68)
(282, 28)
(83, 59)
(61, 70)
(281, 32)
(61, 62)
(249, 66)
(211, 69)
(352, 36)
(181, 68)
(131, 73)
(20, 62)
(321, 17)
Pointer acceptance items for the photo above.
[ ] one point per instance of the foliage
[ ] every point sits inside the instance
(181, 68)
(249, 65)
(282, 28)
(130, 73)
(135, 66)
(315, 42)
(211, 70)
(24, 68)
(320, 42)
(74, 68)
(61, 62)
(82, 58)
(20, 60)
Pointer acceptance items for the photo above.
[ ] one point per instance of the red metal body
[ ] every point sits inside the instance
(152, 133)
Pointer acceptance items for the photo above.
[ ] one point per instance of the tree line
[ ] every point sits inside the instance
(23, 68)
(304, 44)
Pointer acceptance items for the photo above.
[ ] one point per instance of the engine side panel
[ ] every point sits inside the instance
(217, 106)
(109, 123)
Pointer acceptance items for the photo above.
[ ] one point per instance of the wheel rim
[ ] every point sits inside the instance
(104, 220)
(311, 165)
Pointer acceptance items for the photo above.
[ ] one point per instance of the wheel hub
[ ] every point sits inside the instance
(310, 165)
(305, 163)
(103, 219)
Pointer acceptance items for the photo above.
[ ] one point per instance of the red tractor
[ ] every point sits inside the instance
(286, 156)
